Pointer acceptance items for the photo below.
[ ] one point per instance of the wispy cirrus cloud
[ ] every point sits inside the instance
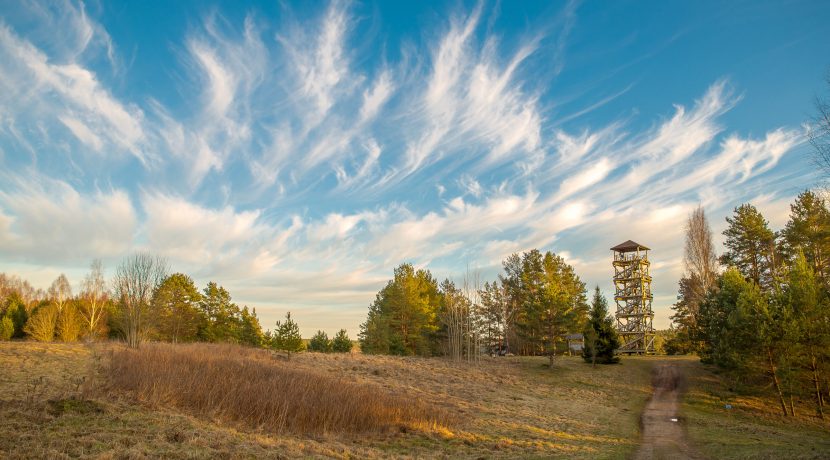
(298, 168)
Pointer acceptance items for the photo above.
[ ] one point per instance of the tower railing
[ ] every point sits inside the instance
(633, 298)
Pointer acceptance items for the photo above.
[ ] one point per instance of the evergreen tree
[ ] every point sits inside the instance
(341, 343)
(250, 331)
(375, 333)
(809, 230)
(403, 318)
(176, 306)
(686, 316)
(494, 312)
(222, 316)
(811, 312)
(513, 300)
(15, 311)
(601, 339)
(287, 336)
(714, 315)
(320, 343)
(751, 246)
(553, 301)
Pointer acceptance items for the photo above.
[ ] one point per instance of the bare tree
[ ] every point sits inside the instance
(94, 298)
(701, 273)
(819, 133)
(60, 292)
(135, 280)
(699, 258)
(462, 316)
(474, 318)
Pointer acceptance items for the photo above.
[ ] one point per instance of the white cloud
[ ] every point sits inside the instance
(48, 220)
(36, 89)
(374, 99)
(195, 234)
(299, 175)
(82, 132)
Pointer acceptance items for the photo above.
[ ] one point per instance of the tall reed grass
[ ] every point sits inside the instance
(244, 385)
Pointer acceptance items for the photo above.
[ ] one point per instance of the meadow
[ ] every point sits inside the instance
(222, 401)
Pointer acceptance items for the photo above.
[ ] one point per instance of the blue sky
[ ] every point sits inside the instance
(297, 153)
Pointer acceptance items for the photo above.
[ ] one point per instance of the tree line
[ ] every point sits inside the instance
(528, 310)
(142, 302)
(765, 319)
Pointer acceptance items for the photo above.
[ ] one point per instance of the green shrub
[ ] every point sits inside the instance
(320, 343)
(341, 343)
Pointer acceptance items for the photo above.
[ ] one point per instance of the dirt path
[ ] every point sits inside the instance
(663, 434)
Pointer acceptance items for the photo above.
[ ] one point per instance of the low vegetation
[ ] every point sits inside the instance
(500, 408)
(246, 385)
(724, 423)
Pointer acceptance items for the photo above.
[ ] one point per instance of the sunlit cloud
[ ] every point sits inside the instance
(298, 160)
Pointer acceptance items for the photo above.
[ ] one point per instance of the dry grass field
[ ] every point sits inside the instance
(58, 401)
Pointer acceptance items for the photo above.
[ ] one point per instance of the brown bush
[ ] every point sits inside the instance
(245, 385)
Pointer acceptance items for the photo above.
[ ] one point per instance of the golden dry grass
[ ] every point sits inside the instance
(506, 407)
(52, 406)
(246, 385)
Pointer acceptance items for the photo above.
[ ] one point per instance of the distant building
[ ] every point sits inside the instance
(576, 342)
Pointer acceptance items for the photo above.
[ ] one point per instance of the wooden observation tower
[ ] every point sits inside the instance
(633, 298)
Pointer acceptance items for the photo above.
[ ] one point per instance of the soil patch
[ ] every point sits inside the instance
(664, 435)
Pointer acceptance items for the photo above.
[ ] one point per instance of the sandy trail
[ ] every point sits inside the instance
(663, 434)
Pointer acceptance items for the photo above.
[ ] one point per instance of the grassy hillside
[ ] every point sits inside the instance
(753, 427)
(58, 401)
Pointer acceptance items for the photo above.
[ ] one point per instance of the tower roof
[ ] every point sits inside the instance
(629, 246)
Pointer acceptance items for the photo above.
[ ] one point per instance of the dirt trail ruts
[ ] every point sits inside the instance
(663, 435)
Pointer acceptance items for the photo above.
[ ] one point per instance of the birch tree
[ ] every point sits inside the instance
(94, 298)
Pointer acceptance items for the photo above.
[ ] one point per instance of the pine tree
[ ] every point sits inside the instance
(751, 246)
(809, 230)
(601, 339)
(403, 318)
(811, 312)
(287, 336)
(176, 309)
(222, 316)
(553, 301)
(250, 331)
(320, 343)
(714, 317)
(341, 343)
(16, 312)
(375, 332)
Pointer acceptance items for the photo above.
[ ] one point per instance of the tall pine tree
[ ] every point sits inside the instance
(809, 230)
(750, 246)
(403, 318)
